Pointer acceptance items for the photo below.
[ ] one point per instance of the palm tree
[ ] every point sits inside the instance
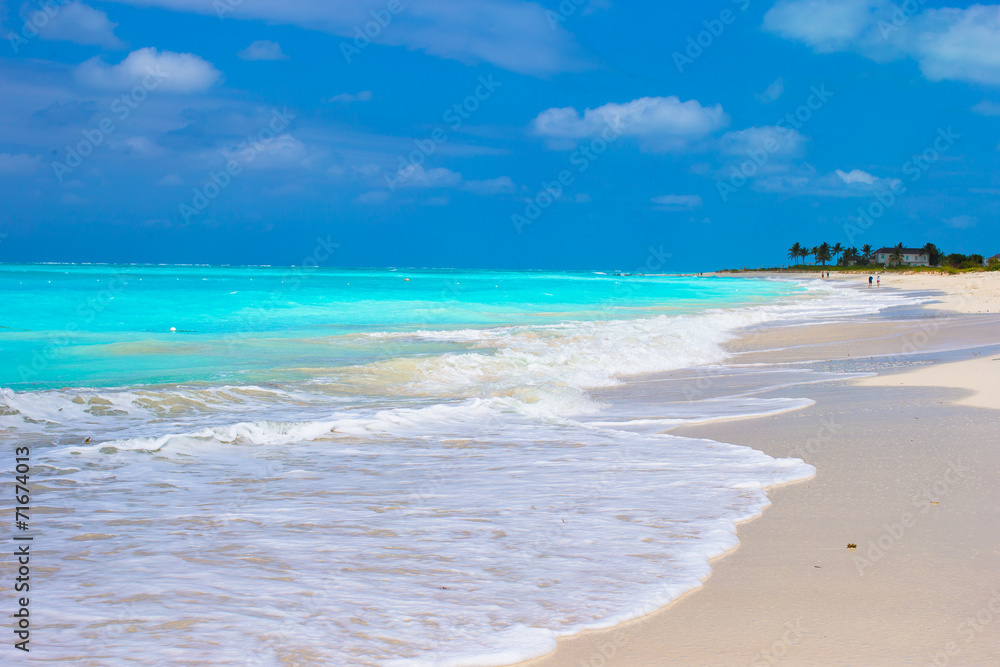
(822, 253)
(868, 252)
(793, 252)
(836, 250)
(933, 254)
(896, 258)
(803, 253)
(850, 256)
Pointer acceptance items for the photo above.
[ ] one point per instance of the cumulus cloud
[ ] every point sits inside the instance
(491, 186)
(959, 44)
(772, 92)
(772, 140)
(19, 164)
(947, 43)
(677, 202)
(415, 176)
(363, 96)
(987, 108)
(665, 121)
(165, 71)
(262, 49)
(141, 147)
(79, 23)
(806, 182)
(855, 176)
(281, 152)
(825, 25)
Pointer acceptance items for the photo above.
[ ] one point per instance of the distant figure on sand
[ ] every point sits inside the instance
(878, 280)
(870, 279)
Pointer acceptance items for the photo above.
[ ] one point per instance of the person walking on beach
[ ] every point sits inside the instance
(870, 279)
(878, 280)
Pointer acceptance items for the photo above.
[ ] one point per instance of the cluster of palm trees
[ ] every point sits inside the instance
(825, 252)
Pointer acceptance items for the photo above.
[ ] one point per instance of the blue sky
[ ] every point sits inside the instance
(495, 133)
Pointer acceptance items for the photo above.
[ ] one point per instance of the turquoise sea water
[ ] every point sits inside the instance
(111, 325)
(267, 466)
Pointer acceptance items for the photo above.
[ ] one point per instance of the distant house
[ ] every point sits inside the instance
(994, 258)
(911, 256)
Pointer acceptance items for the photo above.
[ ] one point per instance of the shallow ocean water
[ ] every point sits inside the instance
(347, 467)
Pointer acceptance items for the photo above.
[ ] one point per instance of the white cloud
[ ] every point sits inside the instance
(282, 152)
(262, 49)
(962, 222)
(677, 202)
(806, 182)
(856, 176)
(666, 121)
(959, 44)
(166, 71)
(79, 23)
(363, 96)
(987, 108)
(20, 164)
(415, 176)
(772, 92)
(825, 25)
(947, 43)
(511, 34)
(142, 147)
(491, 186)
(772, 140)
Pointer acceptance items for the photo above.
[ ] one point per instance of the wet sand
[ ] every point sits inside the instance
(907, 468)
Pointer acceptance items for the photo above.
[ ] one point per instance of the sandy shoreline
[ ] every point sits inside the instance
(907, 464)
(977, 292)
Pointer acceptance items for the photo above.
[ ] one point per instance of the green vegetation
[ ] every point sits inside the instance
(853, 259)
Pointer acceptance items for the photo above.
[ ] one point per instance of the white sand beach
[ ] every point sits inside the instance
(907, 463)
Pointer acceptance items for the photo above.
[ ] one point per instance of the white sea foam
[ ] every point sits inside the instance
(466, 508)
